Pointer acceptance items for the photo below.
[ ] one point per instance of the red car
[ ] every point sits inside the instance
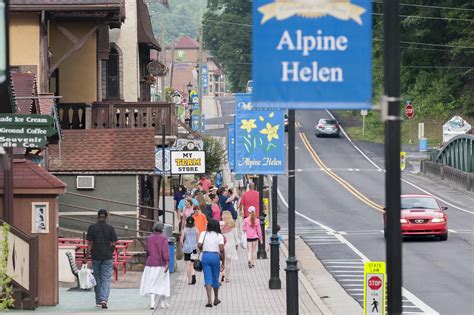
(422, 215)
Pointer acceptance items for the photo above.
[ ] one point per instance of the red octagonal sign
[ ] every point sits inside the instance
(409, 111)
(374, 283)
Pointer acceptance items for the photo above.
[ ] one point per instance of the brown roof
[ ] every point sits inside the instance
(144, 27)
(27, 174)
(104, 150)
(186, 42)
(24, 85)
(46, 103)
(65, 4)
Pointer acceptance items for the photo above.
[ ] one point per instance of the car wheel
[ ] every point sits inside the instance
(317, 135)
(443, 237)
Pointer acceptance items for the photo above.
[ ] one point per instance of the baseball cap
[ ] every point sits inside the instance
(102, 212)
(251, 209)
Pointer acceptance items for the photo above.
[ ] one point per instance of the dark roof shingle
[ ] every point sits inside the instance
(27, 174)
(104, 150)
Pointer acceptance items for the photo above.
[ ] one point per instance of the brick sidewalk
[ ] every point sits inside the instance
(247, 293)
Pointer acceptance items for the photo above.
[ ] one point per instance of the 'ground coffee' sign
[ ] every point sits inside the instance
(188, 162)
(312, 54)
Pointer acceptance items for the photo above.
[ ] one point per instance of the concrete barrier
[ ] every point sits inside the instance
(450, 174)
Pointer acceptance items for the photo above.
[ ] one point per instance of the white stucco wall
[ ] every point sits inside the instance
(126, 39)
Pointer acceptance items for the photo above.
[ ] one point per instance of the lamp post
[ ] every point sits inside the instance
(275, 282)
(261, 253)
(190, 103)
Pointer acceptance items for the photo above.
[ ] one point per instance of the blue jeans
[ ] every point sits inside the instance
(103, 275)
(211, 267)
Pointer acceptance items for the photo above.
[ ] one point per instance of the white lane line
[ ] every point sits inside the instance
(349, 271)
(404, 180)
(452, 231)
(338, 266)
(410, 296)
(355, 289)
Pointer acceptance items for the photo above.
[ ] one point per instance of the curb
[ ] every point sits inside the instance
(309, 288)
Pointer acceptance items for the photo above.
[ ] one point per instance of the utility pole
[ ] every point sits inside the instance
(163, 60)
(391, 117)
(200, 81)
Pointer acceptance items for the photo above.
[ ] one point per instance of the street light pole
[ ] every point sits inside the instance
(275, 282)
(190, 104)
(261, 253)
(391, 116)
(292, 269)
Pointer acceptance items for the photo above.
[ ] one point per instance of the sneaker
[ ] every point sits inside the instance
(98, 305)
(104, 304)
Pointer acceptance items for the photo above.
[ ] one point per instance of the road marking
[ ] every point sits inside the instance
(410, 296)
(404, 180)
(338, 179)
(452, 231)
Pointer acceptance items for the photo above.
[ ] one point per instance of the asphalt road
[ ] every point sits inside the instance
(339, 193)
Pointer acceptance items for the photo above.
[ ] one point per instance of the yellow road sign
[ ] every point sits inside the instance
(374, 288)
(403, 159)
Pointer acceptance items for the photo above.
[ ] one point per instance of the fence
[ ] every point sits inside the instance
(450, 174)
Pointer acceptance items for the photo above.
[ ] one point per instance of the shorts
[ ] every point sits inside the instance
(187, 257)
(252, 239)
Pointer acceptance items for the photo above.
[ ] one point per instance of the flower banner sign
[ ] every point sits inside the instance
(259, 138)
(231, 145)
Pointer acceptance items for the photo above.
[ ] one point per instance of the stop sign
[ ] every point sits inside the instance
(374, 283)
(409, 111)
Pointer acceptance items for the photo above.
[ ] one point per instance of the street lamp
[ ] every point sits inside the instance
(190, 88)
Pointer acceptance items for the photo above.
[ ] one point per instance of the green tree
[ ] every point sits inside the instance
(227, 35)
(215, 154)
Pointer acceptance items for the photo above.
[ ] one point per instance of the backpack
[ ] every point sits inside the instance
(208, 212)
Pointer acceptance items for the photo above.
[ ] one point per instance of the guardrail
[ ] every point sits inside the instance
(448, 173)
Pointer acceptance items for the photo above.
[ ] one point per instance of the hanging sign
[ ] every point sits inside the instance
(259, 139)
(312, 54)
(188, 162)
(231, 145)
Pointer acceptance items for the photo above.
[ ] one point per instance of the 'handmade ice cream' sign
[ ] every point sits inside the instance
(312, 54)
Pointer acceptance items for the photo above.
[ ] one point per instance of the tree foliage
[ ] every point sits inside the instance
(227, 35)
(215, 154)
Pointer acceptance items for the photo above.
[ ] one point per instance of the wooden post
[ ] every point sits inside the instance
(8, 185)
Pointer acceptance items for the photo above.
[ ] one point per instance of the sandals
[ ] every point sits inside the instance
(208, 305)
(250, 265)
(217, 302)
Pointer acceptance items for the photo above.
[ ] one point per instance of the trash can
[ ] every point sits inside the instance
(423, 144)
(168, 230)
(172, 247)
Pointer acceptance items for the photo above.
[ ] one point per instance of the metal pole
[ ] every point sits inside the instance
(163, 169)
(200, 82)
(261, 253)
(291, 269)
(363, 125)
(275, 282)
(392, 155)
(8, 193)
(163, 60)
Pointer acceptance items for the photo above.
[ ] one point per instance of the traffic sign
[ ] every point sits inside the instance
(403, 159)
(374, 288)
(32, 120)
(409, 111)
(364, 112)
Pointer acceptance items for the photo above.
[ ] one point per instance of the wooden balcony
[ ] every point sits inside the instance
(119, 115)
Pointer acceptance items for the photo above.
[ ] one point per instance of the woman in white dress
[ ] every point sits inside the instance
(156, 278)
(232, 242)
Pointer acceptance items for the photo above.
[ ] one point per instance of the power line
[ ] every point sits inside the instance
(428, 6)
(429, 44)
(430, 17)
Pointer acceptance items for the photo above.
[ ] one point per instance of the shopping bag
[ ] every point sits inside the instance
(85, 278)
(243, 241)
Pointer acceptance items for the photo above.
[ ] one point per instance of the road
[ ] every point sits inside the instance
(339, 193)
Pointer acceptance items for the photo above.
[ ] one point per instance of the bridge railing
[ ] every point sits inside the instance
(450, 174)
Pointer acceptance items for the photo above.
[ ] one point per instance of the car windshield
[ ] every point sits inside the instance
(419, 203)
(329, 122)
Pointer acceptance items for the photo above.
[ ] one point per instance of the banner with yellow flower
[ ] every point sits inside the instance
(259, 138)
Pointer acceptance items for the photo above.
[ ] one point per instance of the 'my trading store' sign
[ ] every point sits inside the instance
(188, 162)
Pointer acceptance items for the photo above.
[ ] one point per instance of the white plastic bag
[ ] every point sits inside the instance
(86, 279)
(243, 241)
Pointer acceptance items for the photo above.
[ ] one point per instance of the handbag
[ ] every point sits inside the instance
(243, 241)
(197, 264)
(194, 256)
(86, 279)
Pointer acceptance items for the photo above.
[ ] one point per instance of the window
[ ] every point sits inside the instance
(113, 79)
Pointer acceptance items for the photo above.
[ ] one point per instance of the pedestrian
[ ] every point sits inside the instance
(199, 189)
(156, 278)
(200, 219)
(222, 198)
(187, 210)
(211, 244)
(218, 179)
(178, 195)
(216, 210)
(230, 234)
(101, 241)
(253, 232)
(201, 201)
(250, 199)
(205, 182)
(189, 239)
(229, 204)
(187, 195)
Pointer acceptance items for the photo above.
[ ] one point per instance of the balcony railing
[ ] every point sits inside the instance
(119, 115)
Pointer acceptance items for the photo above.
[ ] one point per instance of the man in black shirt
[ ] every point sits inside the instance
(101, 240)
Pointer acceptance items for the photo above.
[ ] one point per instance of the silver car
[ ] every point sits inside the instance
(327, 127)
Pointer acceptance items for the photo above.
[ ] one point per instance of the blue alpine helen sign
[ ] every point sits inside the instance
(259, 138)
(312, 54)
(231, 145)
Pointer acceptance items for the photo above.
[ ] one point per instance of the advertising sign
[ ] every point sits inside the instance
(454, 127)
(231, 145)
(205, 80)
(310, 54)
(195, 122)
(374, 288)
(259, 139)
(188, 162)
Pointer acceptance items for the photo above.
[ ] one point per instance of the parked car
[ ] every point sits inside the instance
(249, 87)
(422, 215)
(328, 127)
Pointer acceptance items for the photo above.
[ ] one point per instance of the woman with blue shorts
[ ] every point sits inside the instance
(211, 243)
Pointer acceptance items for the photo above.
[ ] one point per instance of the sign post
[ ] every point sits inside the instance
(374, 288)
(364, 113)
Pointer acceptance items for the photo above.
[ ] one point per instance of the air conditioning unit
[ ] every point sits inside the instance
(85, 182)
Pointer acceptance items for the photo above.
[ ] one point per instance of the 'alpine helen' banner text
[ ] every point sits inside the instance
(259, 138)
(312, 54)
